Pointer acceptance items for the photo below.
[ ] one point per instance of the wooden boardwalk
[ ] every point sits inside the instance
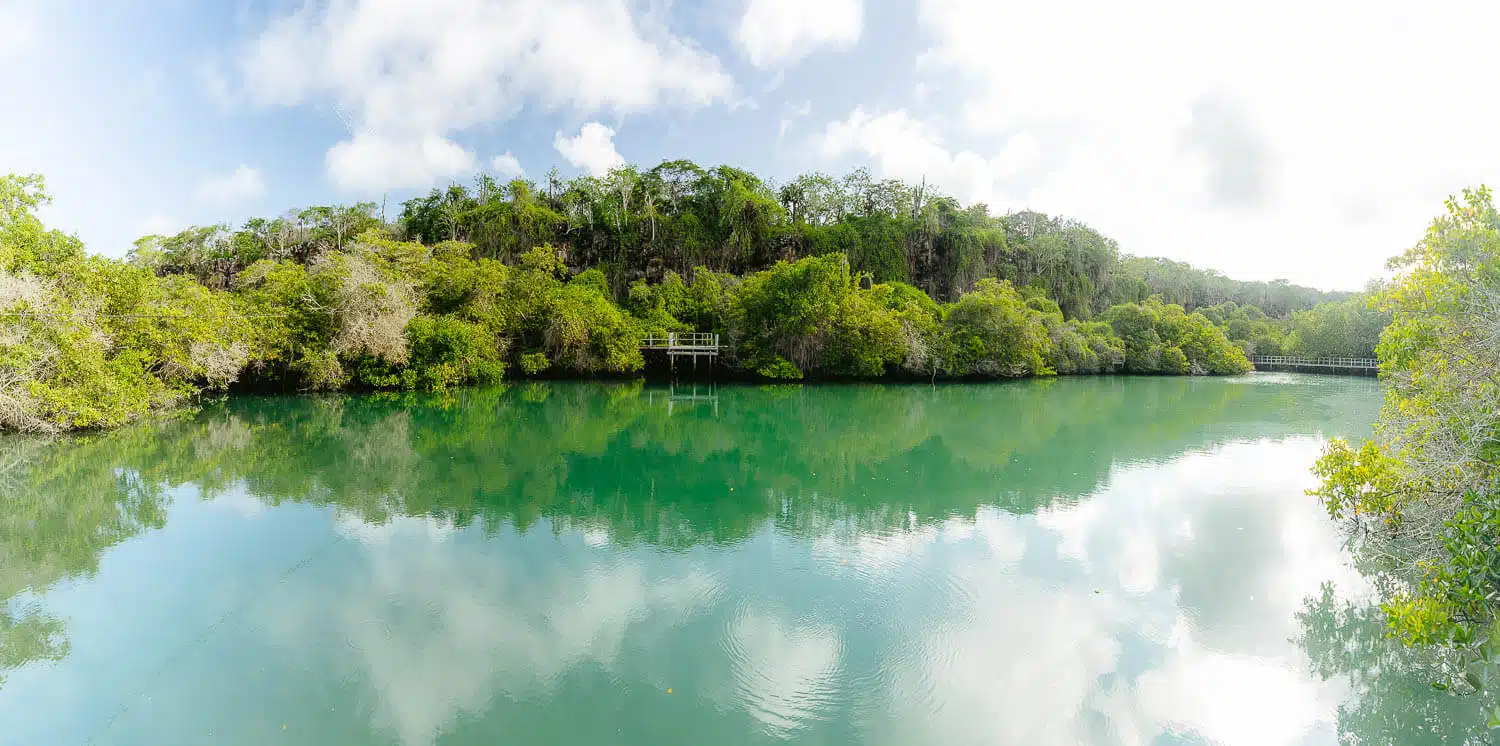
(685, 344)
(1349, 366)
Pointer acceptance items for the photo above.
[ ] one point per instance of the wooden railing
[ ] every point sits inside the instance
(1339, 363)
(683, 341)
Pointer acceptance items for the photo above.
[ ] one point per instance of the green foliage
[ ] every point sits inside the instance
(863, 339)
(1423, 494)
(1455, 602)
(1357, 483)
(24, 242)
(293, 323)
(91, 342)
(812, 315)
(591, 279)
(1162, 338)
(779, 369)
(588, 333)
(786, 311)
(445, 352)
(1349, 328)
(878, 247)
(994, 333)
(1138, 278)
(809, 278)
(678, 216)
(533, 363)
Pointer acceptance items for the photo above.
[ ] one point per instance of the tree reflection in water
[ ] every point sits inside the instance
(808, 461)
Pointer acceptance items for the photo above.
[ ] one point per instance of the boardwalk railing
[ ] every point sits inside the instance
(1352, 364)
(685, 343)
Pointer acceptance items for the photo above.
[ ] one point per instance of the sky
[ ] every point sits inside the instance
(1306, 141)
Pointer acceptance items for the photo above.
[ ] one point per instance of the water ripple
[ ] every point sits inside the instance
(786, 671)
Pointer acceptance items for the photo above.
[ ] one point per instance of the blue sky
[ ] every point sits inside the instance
(1273, 140)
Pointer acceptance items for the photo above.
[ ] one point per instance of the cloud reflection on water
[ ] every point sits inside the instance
(1163, 604)
(439, 623)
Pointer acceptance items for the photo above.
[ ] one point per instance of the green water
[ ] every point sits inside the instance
(1103, 560)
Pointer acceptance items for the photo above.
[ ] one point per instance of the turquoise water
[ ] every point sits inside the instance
(1112, 560)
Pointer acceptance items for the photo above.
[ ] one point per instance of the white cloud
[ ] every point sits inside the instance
(907, 148)
(789, 115)
(216, 85)
(1315, 163)
(592, 149)
(243, 185)
(409, 76)
(157, 224)
(778, 33)
(371, 162)
(506, 166)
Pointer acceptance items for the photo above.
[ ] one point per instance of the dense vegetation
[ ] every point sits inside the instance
(848, 278)
(1421, 498)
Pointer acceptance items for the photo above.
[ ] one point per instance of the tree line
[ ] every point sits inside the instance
(634, 224)
(824, 277)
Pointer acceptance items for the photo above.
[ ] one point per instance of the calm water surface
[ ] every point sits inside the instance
(1112, 560)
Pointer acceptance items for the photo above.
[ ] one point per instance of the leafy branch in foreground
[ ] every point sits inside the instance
(1422, 500)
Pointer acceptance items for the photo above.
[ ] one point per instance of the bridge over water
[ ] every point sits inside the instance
(1349, 366)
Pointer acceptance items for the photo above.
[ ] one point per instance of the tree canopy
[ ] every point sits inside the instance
(847, 277)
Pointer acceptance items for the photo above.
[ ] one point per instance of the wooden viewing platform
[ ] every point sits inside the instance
(685, 344)
(1354, 366)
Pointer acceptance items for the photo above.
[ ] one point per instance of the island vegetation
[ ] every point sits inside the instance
(818, 277)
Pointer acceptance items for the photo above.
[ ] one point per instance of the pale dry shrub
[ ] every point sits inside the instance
(373, 312)
(24, 290)
(917, 354)
(219, 364)
(18, 293)
(19, 407)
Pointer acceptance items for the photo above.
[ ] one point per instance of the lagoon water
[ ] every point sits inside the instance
(1090, 560)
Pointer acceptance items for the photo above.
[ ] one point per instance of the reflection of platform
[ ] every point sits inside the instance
(691, 397)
